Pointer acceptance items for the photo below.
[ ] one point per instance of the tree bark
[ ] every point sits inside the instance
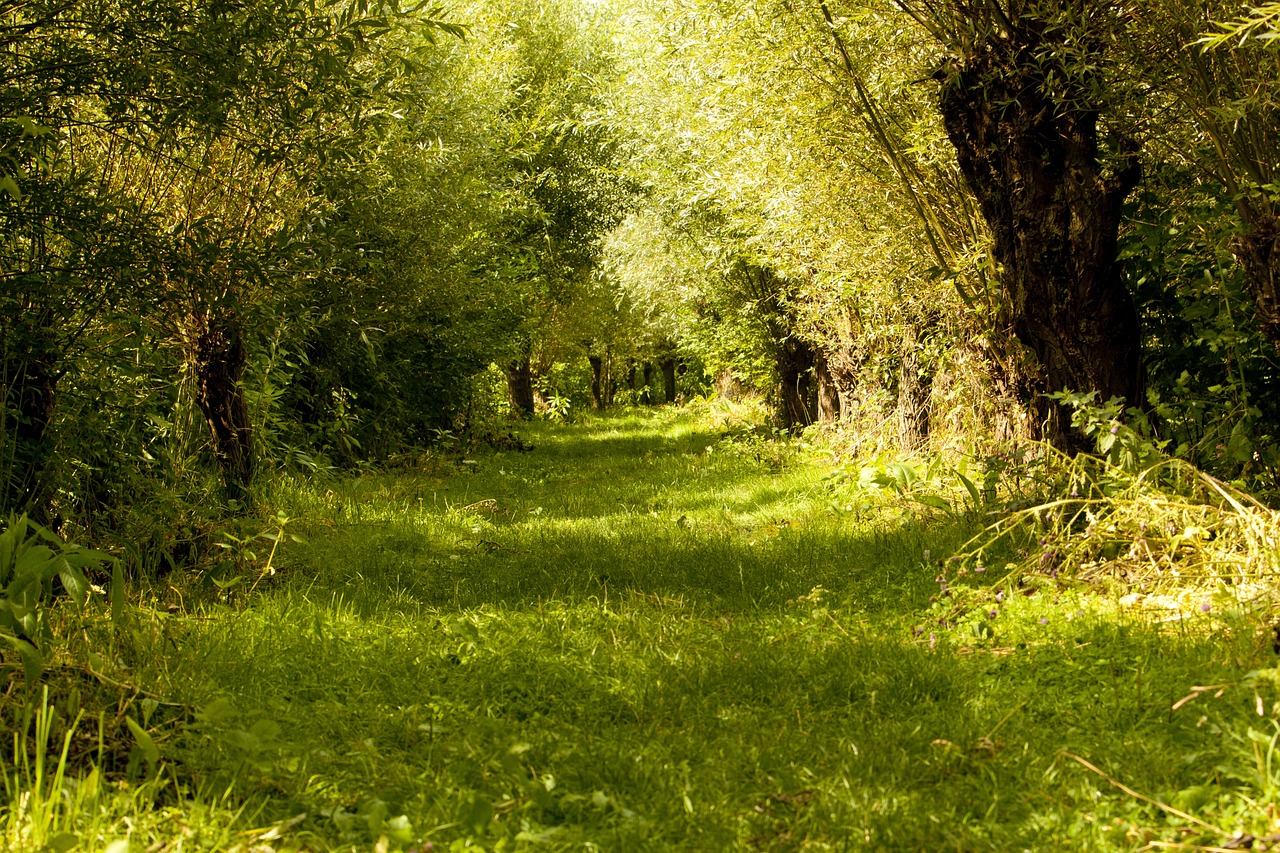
(914, 403)
(799, 397)
(668, 366)
(597, 377)
(1258, 251)
(1033, 162)
(219, 359)
(520, 387)
(828, 393)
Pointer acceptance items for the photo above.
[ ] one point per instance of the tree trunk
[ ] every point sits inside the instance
(597, 377)
(647, 396)
(828, 393)
(799, 399)
(668, 366)
(1258, 251)
(520, 387)
(218, 360)
(914, 404)
(1033, 163)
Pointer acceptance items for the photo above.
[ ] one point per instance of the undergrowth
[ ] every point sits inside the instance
(674, 630)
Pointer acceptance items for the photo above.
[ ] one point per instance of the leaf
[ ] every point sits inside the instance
(146, 744)
(32, 658)
(476, 814)
(934, 501)
(10, 186)
(74, 581)
(63, 842)
(971, 489)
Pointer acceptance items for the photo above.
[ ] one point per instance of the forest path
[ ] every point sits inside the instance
(647, 635)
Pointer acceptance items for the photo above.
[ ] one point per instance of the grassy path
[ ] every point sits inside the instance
(641, 637)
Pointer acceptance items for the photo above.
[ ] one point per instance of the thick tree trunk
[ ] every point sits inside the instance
(668, 366)
(799, 395)
(1258, 251)
(520, 387)
(218, 359)
(597, 379)
(828, 393)
(647, 396)
(1033, 163)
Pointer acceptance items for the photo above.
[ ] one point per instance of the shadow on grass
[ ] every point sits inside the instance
(591, 514)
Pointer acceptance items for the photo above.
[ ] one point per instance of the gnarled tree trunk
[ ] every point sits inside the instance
(597, 376)
(218, 358)
(1033, 161)
(520, 387)
(1258, 250)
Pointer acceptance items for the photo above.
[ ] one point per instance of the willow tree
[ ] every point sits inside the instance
(1028, 105)
(1222, 76)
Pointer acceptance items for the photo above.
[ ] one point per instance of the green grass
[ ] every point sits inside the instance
(641, 636)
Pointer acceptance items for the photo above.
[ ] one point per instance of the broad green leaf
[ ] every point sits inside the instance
(934, 501)
(146, 744)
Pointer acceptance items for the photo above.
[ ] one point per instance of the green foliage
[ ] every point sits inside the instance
(31, 559)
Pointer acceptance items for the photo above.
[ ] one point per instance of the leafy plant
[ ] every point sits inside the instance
(32, 558)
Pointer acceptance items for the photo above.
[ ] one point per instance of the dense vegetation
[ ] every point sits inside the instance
(331, 333)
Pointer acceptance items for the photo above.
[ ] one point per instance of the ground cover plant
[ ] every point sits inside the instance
(653, 630)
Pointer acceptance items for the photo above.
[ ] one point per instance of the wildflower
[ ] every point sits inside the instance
(1115, 429)
(1205, 608)
(1044, 621)
(979, 568)
(1000, 596)
(993, 613)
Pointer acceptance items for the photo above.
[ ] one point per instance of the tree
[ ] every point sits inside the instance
(1024, 96)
